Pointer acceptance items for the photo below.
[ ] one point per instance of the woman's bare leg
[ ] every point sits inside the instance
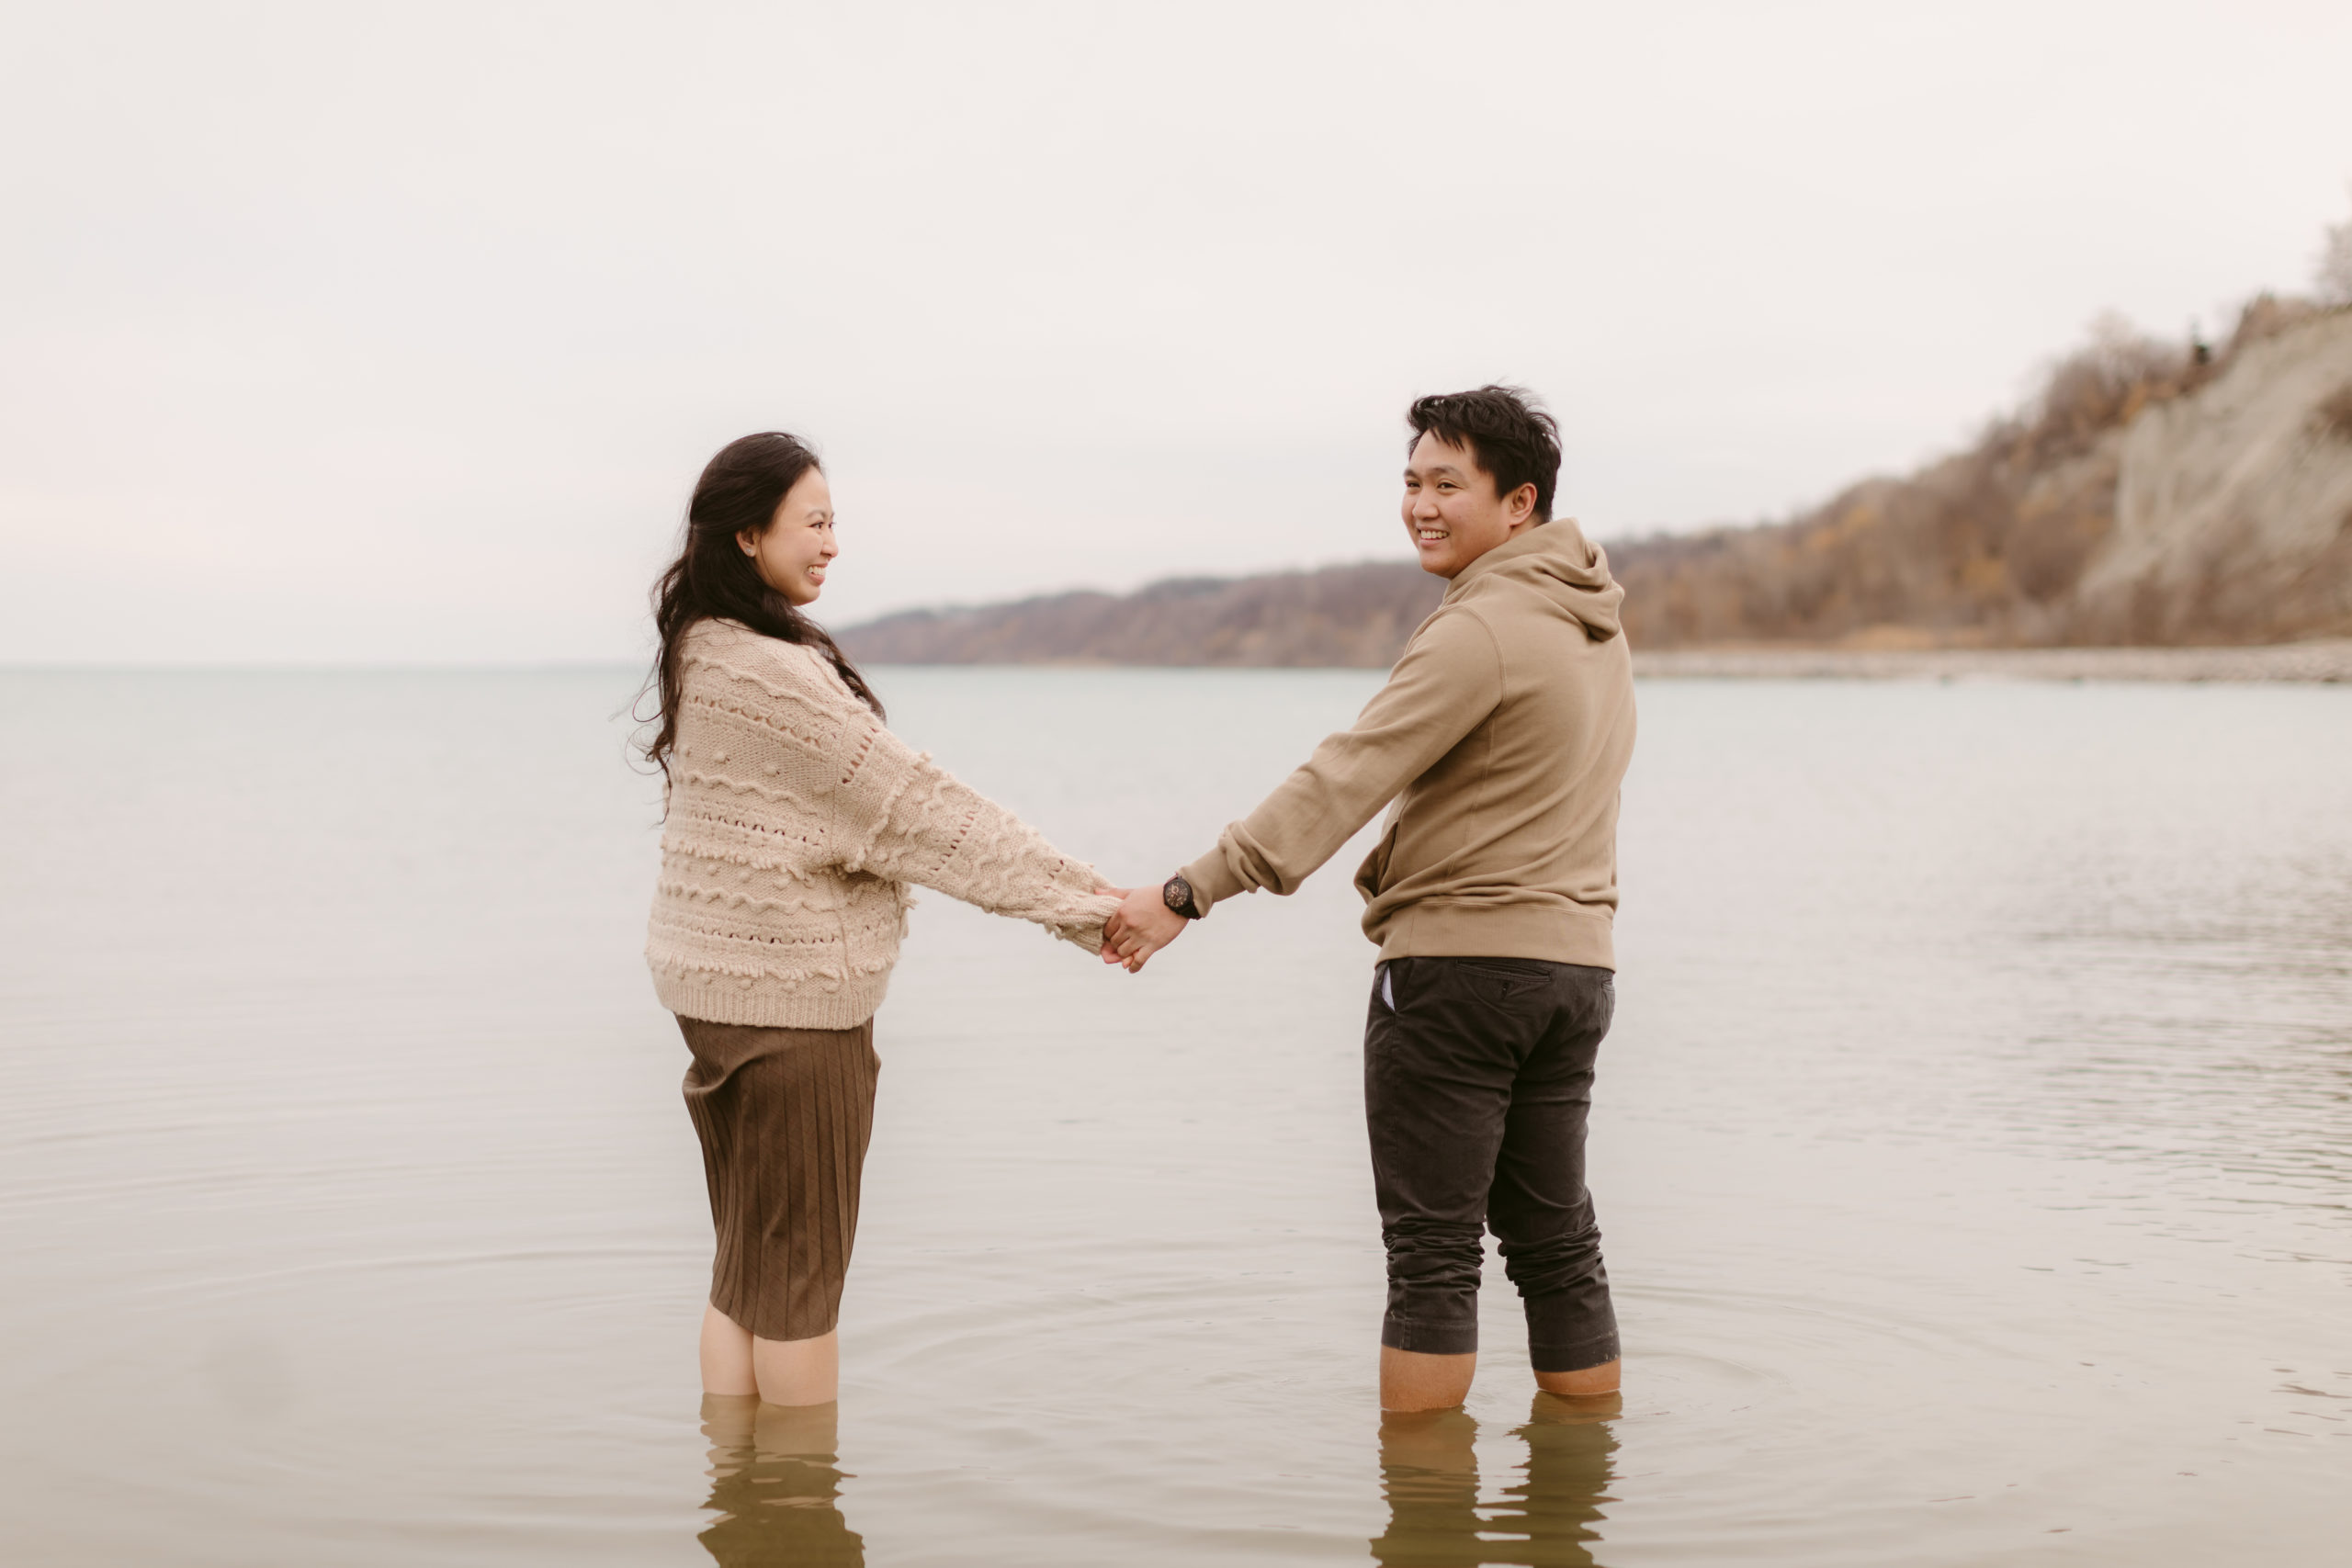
(726, 1366)
(780, 1372)
(798, 1372)
(798, 1431)
(728, 1420)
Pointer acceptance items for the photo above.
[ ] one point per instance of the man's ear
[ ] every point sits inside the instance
(1519, 506)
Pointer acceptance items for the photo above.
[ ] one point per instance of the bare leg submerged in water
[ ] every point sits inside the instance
(778, 1372)
(1411, 1381)
(1547, 1513)
(775, 1486)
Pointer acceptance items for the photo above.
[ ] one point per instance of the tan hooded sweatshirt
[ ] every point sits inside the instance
(1501, 737)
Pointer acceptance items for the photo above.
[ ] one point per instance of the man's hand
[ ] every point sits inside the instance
(1143, 925)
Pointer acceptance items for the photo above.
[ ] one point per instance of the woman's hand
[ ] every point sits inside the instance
(1143, 925)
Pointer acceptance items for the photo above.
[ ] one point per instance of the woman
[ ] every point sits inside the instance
(794, 822)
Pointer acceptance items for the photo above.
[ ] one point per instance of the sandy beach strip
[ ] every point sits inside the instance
(2328, 660)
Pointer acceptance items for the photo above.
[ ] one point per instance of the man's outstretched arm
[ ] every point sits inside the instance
(1448, 681)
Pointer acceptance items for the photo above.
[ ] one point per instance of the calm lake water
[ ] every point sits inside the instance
(1974, 1147)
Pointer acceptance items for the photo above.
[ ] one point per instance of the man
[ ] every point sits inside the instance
(1501, 737)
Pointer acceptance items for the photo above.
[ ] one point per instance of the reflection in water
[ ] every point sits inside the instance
(775, 1480)
(1429, 1472)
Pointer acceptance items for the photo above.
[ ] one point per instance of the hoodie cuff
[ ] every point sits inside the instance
(1213, 880)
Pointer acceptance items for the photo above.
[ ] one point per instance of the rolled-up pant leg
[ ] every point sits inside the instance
(1539, 1208)
(1440, 1053)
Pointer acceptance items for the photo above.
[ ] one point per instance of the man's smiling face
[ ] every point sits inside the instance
(1452, 512)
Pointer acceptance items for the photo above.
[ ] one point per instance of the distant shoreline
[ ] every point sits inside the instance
(2324, 662)
(2317, 662)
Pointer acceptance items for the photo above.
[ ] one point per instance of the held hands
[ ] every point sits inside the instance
(1143, 925)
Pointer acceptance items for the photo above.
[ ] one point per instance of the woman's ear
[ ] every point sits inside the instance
(749, 538)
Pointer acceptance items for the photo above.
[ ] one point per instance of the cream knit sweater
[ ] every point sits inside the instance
(796, 822)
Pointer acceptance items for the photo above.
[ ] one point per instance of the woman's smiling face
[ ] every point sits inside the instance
(792, 551)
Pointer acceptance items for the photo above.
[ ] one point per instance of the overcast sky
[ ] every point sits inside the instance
(333, 332)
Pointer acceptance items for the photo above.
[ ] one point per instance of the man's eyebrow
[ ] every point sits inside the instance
(1436, 468)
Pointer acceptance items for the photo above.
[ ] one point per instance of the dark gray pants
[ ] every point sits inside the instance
(1477, 1075)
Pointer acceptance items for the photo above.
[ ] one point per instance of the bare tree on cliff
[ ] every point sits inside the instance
(2335, 275)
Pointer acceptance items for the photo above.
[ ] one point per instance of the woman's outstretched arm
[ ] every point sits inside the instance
(900, 814)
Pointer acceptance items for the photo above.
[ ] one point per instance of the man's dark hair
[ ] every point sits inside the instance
(1515, 442)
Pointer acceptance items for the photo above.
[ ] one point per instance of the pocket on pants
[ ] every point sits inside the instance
(1504, 977)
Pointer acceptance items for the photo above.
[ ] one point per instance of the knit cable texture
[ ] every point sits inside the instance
(796, 822)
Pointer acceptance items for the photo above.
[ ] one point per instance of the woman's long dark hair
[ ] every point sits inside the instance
(739, 491)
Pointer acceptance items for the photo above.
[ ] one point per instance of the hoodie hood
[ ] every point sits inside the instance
(1567, 570)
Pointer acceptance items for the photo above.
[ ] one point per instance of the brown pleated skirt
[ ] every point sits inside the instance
(785, 1116)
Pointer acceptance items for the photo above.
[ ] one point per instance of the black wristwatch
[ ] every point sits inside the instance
(1177, 894)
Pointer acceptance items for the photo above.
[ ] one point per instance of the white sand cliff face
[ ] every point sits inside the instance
(2233, 504)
